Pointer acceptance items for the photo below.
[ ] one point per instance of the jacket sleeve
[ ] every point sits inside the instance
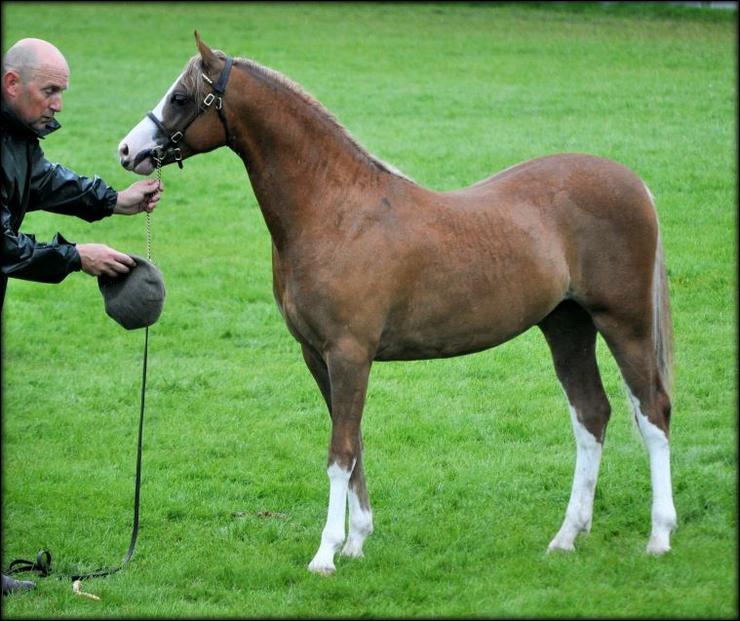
(24, 257)
(57, 189)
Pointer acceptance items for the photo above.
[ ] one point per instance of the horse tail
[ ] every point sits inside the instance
(662, 324)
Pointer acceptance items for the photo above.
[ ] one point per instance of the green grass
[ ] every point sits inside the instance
(469, 460)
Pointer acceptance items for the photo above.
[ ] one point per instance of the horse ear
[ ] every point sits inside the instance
(209, 58)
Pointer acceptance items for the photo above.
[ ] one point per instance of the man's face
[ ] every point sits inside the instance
(37, 100)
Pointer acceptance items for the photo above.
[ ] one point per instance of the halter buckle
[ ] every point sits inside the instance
(209, 99)
(176, 137)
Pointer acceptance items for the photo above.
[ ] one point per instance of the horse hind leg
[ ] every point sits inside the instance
(634, 349)
(571, 336)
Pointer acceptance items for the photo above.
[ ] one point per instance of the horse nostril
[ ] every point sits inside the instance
(124, 149)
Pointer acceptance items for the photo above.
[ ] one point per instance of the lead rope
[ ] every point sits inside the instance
(42, 564)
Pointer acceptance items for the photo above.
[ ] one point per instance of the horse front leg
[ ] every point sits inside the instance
(360, 514)
(349, 369)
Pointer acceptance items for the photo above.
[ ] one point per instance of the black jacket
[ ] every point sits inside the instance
(31, 182)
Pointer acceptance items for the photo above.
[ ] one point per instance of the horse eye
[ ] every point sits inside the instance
(178, 99)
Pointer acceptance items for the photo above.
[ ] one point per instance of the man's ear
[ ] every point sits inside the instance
(210, 60)
(12, 83)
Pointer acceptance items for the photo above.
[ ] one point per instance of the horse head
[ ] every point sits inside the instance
(189, 119)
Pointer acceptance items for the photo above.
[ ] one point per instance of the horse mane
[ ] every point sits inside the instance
(191, 80)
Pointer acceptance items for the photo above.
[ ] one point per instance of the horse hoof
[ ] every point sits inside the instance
(657, 547)
(559, 546)
(352, 549)
(321, 570)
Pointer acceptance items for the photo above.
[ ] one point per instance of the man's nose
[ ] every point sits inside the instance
(56, 104)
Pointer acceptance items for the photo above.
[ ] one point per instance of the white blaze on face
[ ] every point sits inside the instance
(142, 138)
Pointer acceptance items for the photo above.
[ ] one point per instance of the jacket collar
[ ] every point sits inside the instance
(13, 123)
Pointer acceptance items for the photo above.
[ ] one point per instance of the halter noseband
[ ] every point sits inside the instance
(217, 94)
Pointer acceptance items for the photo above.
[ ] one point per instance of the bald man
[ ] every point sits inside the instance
(35, 74)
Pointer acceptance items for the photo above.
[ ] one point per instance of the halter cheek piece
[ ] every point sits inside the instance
(219, 90)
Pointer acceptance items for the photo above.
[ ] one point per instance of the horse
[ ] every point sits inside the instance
(370, 266)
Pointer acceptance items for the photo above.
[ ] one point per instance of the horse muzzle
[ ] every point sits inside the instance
(148, 159)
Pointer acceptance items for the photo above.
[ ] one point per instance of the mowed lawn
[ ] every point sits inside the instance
(469, 460)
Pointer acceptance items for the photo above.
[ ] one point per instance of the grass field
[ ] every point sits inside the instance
(469, 460)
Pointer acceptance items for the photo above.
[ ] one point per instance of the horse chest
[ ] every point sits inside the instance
(301, 311)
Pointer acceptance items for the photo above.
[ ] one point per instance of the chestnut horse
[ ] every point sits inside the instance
(368, 265)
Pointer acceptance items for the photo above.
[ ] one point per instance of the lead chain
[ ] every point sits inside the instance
(148, 236)
(149, 215)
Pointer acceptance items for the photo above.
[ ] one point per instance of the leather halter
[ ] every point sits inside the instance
(217, 94)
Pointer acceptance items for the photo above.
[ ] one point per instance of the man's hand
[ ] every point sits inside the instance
(99, 259)
(140, 196)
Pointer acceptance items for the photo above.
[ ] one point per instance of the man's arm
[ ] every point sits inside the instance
(57, 189)
(24, 257)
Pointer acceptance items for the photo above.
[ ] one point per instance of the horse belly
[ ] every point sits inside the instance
(421, 345)
(467, 318)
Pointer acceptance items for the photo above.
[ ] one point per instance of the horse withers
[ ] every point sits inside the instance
(368, 265)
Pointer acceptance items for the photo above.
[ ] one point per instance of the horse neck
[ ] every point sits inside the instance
(301, 163)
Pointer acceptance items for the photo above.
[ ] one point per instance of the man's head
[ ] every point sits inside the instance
(35, 74)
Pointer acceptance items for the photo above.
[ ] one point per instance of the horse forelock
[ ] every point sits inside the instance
(192, 77)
